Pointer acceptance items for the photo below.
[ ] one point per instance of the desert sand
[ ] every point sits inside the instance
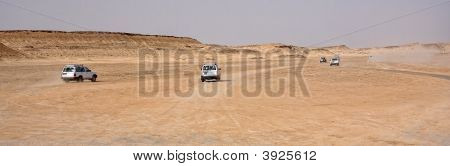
(397, 95)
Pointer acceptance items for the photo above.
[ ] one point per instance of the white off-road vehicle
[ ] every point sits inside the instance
(77, 72)
(335, 60)
(210, 71)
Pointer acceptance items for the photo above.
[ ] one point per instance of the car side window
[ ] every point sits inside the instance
(82, 69)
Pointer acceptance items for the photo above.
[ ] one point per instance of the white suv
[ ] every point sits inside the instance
(210, 71)
(78, 73)
(335, 60)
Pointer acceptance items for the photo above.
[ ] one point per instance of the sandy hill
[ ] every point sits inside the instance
(414, 48)
(410, 49)
(274, 50)
(340, 47)
(88, 44)
(82, 44)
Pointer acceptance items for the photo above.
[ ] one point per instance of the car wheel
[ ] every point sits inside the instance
(203, 80)
(80, 79)
(94, 79)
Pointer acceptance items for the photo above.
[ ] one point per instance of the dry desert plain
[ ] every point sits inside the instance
(397, 95)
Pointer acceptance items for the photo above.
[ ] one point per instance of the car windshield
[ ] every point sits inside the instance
(209, 67)
(68, 69)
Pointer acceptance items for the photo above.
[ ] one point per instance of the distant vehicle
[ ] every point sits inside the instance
(77, 72)
(210, 71)
(335, 60)
(323, 60)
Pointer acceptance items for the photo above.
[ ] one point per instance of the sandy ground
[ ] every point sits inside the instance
(357, 103)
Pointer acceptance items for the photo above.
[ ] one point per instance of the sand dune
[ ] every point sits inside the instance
(42, 44)
(413, 54)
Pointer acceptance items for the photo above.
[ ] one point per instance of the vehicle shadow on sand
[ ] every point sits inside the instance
(218, 81)
(84, 82)
(225, 80)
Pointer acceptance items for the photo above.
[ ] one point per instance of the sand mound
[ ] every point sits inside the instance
(38, 44)
(338, 48)
(423, 54)
(275, 50)
(341, 50)
(43, 44)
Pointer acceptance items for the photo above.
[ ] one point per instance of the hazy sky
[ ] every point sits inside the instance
(237, 22)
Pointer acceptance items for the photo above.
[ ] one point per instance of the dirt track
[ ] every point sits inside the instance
(358, 103)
